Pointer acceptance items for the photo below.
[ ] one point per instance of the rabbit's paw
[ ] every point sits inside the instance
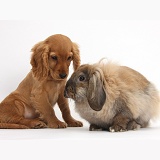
(132, 125)
(117, 128)
(94, 127)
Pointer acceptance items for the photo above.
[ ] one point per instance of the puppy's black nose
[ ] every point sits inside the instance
(63, 75)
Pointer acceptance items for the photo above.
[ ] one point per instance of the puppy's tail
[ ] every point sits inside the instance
(12, 126)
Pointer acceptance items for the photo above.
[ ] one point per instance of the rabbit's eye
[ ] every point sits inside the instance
(81, 78)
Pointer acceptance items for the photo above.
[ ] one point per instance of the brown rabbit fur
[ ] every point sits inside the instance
(113, 97)
(31, 104)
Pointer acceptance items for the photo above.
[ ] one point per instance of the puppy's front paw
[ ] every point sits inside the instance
(74, 123)
(57, 124)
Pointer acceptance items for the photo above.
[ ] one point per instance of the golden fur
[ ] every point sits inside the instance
(31, 104)
(113, 97)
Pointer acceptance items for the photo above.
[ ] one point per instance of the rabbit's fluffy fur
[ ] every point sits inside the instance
(113, 97)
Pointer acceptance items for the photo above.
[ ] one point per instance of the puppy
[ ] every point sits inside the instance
(31, 104)
(112, 97)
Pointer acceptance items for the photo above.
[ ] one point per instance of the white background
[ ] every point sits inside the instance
(127, 33)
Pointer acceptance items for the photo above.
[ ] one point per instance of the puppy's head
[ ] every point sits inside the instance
(52, 57)
(87, 84)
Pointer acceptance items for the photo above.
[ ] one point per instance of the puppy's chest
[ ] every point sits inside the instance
(53, 92)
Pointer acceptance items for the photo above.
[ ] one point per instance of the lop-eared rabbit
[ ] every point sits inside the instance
(113, 97)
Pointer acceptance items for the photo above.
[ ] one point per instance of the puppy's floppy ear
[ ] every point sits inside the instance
(96, 95)
(39, 60)
(76, 56)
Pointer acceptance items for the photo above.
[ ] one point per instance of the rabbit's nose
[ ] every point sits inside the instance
(68, 91)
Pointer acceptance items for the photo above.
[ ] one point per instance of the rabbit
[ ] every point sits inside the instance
(112, 97)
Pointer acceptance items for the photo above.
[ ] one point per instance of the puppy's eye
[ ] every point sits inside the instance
(69, 58)
(81, 78)
(54, 57)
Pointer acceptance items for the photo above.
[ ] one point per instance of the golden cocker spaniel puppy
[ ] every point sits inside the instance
(31, 104)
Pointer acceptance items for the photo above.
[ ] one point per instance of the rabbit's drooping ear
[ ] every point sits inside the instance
(96, 95)
(76, 56)
(39, 60)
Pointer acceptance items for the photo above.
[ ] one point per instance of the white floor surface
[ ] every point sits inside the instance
(79, 143)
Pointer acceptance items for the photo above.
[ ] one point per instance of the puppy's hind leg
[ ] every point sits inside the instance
(23, 124)
(32, 123)
(27, 116)
(13, 116)
(12, 126)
